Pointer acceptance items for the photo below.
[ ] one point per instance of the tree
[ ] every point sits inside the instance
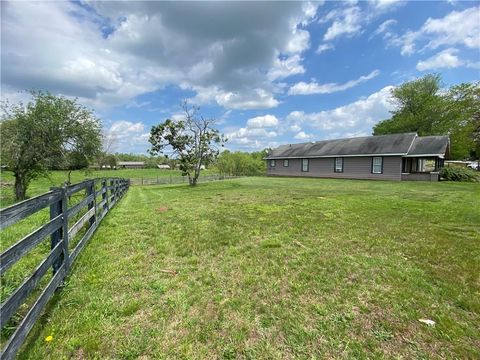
(242, 163)
(193, 141)
(48, 131)
(111, 161)
(105, 157)
(422, 106)
(462, 119)
(75, 160)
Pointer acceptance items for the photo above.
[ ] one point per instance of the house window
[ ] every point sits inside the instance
(339, 165)
(304, 165)
(285, 163)
(377, 165)
(272, 163)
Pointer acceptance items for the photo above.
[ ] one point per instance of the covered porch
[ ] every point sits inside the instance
(416, 168)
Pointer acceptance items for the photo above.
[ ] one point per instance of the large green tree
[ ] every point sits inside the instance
(193, 141)
(423, 106)
(48, 132)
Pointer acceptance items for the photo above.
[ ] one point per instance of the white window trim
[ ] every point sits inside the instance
(381, 165)
(335, 165)
(308, 165)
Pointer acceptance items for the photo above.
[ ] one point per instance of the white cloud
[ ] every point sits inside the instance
(456, 28)
(127, 136)
(124, 129)
(445, 59)
(347, 21)
(256, 133)
(262, 121)
(230, 52)
(384, 27)
(406, 42)
(324, 47)
(242, 100)
(384, 5)
(256, 99)
(350, 21)
(251, 138)
(303, 88)
(299, 42)
(302, 136)
(251, 133)
(295, 128)
(178, 117)
(283, 68)
(359, 115)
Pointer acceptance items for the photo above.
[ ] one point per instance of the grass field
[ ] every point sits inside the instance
(270, 268)
(57, 178)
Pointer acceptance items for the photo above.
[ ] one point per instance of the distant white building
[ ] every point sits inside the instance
(164, 166)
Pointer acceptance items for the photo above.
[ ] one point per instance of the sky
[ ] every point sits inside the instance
(270, 73)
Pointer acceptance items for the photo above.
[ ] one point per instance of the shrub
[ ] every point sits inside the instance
(458, 174)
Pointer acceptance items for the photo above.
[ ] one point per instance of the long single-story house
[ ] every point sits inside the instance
(130, 164)
(381, 157)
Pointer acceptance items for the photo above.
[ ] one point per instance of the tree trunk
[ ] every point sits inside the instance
(196, 175)
(20, 187)
(192, 180)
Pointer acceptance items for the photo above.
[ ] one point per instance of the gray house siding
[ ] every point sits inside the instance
(353, 168)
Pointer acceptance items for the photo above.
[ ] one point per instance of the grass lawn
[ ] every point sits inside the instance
(57, 178)
(275, 268)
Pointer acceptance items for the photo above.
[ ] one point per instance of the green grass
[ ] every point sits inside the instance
(57, 178)
(271, 268)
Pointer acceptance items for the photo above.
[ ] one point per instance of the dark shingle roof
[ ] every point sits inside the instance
(394, 144)
(429, 145)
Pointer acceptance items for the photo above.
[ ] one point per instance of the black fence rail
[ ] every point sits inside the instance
(163, 180)
(99, 196)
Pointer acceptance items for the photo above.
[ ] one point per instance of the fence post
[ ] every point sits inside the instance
(112, 188)
(114, 194)
(91, 204)
(60, 208)
(104, 195)
(107, 203)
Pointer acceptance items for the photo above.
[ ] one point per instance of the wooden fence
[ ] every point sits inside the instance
(100, 196)
(163, 180)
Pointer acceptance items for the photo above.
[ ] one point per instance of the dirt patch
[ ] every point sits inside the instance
(79, 354)
(161, 209)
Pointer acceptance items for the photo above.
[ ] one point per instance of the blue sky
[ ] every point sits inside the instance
(270, 73)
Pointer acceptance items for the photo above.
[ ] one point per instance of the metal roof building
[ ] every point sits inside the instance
(130, 164)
